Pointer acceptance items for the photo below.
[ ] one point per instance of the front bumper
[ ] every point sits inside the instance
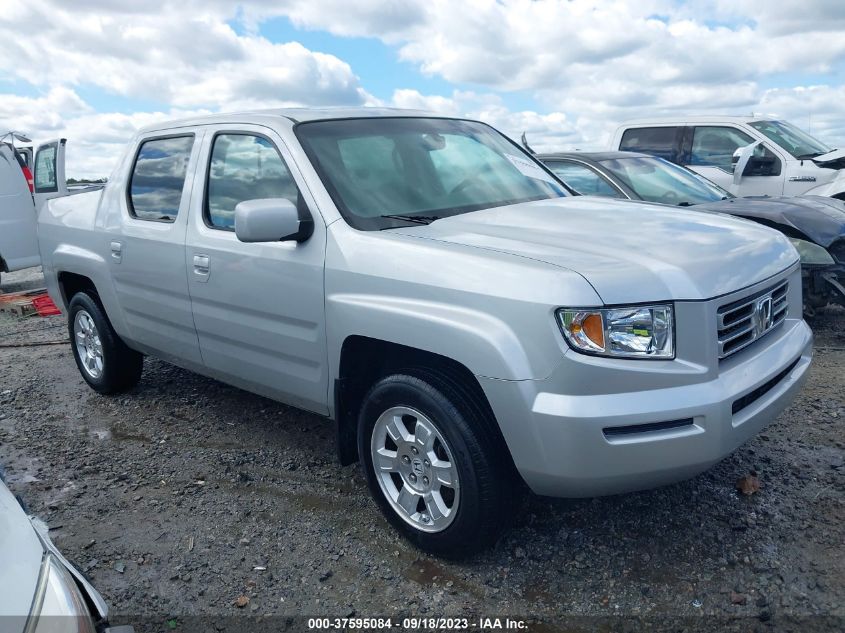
(569, 445)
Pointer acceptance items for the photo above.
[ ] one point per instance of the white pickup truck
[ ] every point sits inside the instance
(748, 156)
(435, 290)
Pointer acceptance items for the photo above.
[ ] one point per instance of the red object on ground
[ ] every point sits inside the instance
(44, 305)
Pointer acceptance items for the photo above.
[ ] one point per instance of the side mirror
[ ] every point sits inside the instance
(740, 159)
(271, 220)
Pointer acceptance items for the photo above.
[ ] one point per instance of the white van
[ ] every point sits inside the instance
(20, 202)
(776, 158)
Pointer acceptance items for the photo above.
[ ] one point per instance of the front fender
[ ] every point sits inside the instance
(830, 189)
(483, 343)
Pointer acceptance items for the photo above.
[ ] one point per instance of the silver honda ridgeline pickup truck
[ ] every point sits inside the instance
(467, 322)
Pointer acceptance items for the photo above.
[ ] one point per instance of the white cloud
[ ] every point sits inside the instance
(587, 64)
(179, 54)
(95, 140)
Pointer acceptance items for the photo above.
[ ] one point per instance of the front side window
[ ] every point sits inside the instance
(45, 170)
(244, 167)
(424, 167)
(158, 177)
(658, 180)
(793, 140)
(657, 141)
(715, 146)
(583, 179)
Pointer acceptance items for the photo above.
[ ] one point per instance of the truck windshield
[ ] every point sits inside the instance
(793, 140)
(389, 172)
(658, 180)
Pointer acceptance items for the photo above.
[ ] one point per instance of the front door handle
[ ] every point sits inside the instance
(116, 251)
(201, 270)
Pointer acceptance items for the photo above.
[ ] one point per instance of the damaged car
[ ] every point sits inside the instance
(814, 224)
(40, 591)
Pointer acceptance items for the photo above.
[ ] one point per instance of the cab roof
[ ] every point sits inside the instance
(296, 115)
(698, 118)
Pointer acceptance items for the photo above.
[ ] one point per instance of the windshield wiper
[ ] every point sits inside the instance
(812, 155)
(685, 204)
(416, 219)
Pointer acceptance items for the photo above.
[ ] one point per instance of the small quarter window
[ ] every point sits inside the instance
(158, 178)
(244, 167)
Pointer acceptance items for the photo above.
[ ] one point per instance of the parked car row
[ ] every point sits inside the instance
(475, 321)
(471, 325)
(814, 224)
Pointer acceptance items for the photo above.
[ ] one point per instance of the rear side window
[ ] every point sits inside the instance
(244, 167)
(158, 177)
(715, 146)
(657, 141)
(45, 170)
(583, 179)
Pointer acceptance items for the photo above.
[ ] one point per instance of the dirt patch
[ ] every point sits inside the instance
(185, 494)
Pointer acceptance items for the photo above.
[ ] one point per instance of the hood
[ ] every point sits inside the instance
(630, 252)
(819, 218)
(20, 557)
(834, 154)
(832, 160)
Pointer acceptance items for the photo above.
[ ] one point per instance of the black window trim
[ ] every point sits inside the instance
(128, 193)
(595, 169)
(55, 187)
(301, 204)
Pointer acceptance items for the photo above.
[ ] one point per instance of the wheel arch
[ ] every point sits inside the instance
(71, 284)
(363, 360)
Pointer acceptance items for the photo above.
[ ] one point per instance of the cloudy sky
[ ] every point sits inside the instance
(566, 71)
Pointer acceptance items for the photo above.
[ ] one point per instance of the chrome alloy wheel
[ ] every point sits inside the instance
(415, 469)
(88, 344)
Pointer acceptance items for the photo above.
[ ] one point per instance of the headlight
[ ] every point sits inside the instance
(635, 332)
(59, 607)
(811, 254)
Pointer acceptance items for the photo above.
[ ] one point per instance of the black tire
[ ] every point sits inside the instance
(121, 366)
(488, 490)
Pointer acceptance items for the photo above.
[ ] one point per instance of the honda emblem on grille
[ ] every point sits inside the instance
(764, 315)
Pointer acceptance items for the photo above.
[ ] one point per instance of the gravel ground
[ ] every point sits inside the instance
(185, 495)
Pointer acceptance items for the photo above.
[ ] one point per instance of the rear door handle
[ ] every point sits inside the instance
(116, 252)
(201, 270)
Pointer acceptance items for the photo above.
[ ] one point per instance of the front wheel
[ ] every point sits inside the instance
(432, 465)
(104, 361)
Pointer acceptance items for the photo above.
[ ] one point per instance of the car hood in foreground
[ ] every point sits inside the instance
(20, 557)
(630, 252)
(820, 218)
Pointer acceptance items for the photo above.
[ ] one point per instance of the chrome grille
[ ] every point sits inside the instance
(744, 321)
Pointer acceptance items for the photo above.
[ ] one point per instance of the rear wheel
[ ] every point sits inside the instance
(104, 361)
(431, 464)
